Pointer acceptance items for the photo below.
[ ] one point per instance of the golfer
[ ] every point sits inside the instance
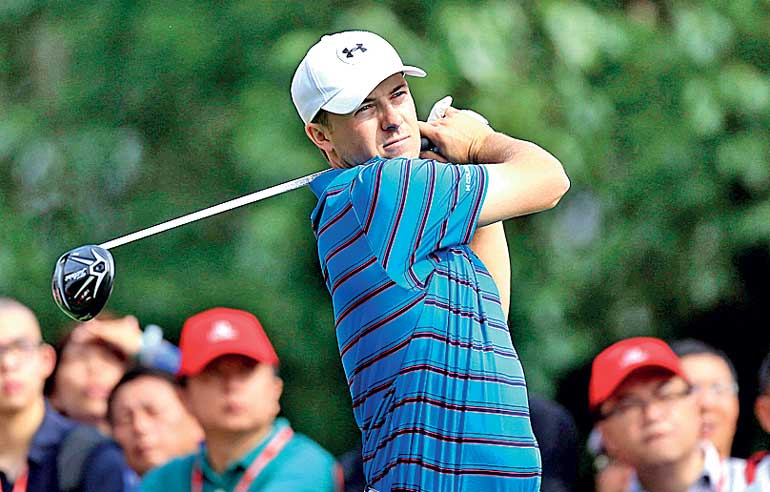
(413, 253)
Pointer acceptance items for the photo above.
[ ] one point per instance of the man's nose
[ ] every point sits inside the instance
(390, 118)
(141, 424)
(654, 410)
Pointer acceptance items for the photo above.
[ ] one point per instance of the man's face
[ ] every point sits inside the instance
(25, 362)
(151, 424)
(86, 374)
(234, 394)
(651, 419)
(385, 124)
(717, 395)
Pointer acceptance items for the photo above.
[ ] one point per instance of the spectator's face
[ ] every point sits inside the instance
(234, 394)
(25, 362)
(651, 419)
(151, 424)
(86, 374)
(717, 395)
(385, 124)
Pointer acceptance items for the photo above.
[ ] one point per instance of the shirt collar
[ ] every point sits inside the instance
(319, 184)
(238, 466)
(322, 182)
(709, 477)
(712, 464)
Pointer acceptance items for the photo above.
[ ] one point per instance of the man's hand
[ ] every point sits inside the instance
(458, 137)
(124, 334)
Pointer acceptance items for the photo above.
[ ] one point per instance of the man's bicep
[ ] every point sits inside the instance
(517, 190)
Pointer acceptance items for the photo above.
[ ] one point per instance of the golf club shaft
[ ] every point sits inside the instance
(214, 210)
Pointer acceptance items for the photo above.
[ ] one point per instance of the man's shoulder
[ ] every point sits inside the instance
(375, 170)
(317, 466)
(170, 475)
(301, 443)
(53, 429)
(304, 451)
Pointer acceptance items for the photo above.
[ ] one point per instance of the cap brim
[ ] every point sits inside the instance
(612, 386)
(195, 366)
(347, 101)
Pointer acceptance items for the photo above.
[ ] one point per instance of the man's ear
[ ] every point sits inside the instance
(319, 135)
(181, 393)
(762, 411)
(48, 360)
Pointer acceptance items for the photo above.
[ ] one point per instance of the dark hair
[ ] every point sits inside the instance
(764, 376)
(134, 373)
(321, 118)
(691, 346)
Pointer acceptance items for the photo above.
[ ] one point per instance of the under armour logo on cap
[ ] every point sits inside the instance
(349, 52)
(352, 56)
(221, 331)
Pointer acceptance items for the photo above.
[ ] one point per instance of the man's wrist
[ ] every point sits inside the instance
(478, 146)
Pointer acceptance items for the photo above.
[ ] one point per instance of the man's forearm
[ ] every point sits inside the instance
(523, 178)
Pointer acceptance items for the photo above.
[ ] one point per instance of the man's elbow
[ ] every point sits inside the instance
(558, 185)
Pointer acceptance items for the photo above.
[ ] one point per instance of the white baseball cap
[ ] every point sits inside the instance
(340, 70)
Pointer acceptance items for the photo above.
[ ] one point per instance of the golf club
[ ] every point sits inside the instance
(83, 277)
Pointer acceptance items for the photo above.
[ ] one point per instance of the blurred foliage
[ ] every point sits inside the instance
(119, 114)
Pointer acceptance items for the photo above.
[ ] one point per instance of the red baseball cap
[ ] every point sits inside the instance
(615, 363)
(222, 331)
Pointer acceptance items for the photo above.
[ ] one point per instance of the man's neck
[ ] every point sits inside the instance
(16, 433)
(676, 476)
(222, 448)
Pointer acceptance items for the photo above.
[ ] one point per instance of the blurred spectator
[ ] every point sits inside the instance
(230, 384)
(611, 475)
(40, 450)
(92, 358)
(556, 434)
(715, 384)
(353, 470)
(148, 419)
(649, 417)
(758, 465)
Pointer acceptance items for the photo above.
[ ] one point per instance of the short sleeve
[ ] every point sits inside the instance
(409, 209)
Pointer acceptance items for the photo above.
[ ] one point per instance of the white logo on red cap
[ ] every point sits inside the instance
(633, 356)
(221, 331)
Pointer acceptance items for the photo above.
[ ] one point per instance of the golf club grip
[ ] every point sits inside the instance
(426, 144)
(214, 210)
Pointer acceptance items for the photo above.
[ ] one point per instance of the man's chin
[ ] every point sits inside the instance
(406, 149)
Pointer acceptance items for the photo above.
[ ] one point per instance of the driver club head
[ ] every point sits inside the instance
(82, 281)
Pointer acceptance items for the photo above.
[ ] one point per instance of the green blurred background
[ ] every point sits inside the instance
(118, 114)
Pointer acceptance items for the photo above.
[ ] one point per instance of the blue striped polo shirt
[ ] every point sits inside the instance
(438, 390)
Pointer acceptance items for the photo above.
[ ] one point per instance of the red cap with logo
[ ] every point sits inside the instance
(615, 363)
(222, 331)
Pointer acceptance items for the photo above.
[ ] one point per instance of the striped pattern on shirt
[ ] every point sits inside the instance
(437, 387)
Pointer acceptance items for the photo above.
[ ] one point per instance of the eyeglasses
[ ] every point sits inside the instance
(715, 389)
(632, 407)
(19, 349)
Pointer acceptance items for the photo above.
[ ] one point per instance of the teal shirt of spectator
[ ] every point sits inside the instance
(300, 465)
